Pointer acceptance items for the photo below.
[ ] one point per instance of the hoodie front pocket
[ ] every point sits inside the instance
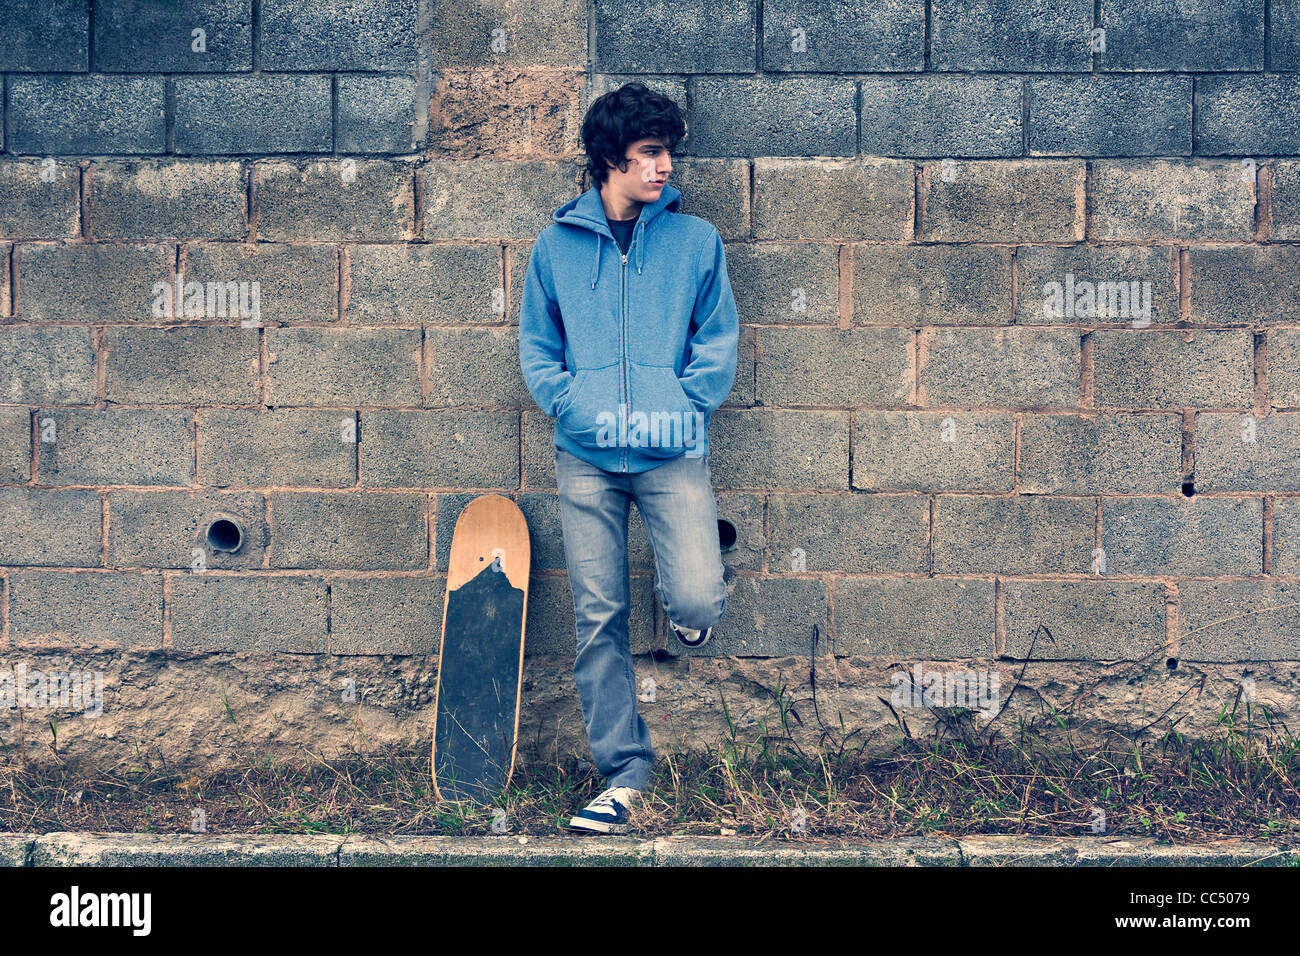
(591, 416)
(670, 423)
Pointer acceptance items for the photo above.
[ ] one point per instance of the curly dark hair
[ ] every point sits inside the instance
(623, 116)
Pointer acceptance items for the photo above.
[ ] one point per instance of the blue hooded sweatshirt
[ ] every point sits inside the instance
(632, 353)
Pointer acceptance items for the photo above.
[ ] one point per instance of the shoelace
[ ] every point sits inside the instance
(606, 799)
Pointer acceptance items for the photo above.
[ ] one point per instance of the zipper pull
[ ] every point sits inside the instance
(625, 258)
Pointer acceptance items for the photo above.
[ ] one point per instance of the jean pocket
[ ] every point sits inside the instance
(671, 424)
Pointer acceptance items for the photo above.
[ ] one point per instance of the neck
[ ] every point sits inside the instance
(618, 206)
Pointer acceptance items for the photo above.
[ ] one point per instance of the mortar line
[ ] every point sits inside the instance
(999, 617)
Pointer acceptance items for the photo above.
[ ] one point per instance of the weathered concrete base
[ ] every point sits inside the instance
(208, 709)
(148, 849)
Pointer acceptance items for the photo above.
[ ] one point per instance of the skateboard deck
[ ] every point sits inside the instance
(481, 652)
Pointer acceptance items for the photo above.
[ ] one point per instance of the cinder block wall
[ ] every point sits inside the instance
(917, 456)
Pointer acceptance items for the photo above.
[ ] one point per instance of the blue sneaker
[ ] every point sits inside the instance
(607, 813)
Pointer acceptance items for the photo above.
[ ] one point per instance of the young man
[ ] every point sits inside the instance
(627, 338)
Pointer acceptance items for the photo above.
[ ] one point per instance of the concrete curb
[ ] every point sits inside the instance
(185, 849)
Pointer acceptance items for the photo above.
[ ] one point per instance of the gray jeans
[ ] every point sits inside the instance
(680, 515)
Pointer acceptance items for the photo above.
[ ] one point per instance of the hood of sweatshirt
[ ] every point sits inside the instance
(588, 211)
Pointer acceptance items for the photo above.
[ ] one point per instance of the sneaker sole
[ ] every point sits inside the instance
(686, 643)
(584, 825)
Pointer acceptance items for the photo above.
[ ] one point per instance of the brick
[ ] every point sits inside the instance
(15, 445)
(159, 37)
(766, 617)
(1202, 536)
(400, 616)
(846, 532)
(1060, 285)
(163, 529)
(1284, 368)
(1197, 200)
(1239, 115)
(473, 366)
(855, 37)
(1035, 200)
(49, 527)
(480, 449)
(1148, 368)
(773, 116)
(1110, 116)
(744, 389)
(1012, 366)
(343, 367)
(1105, 454)
(779, 449)
(32, 207)
(932, 451)
(793, 283)
(1183, 35)
(277, 447)
(926, 619)
(296, 283)
(364, 531)
(1286, 536)
(714, 37)
(90, 283)
(1284, 36)
(86, 114)
(120, 446)
(376, 114)
(1088, 620)
(166, 199)
(40, 366)
(974, 534)
(1244, 284)
(932, 285)
(833, 366)
(258, 613)
(744, 512)
(505, 114)
(335, 199)
(941, 116)
(419, 283)
(833, 199)
(356, 35)
(484, 199)
(45, 36)
(541, 511)
(552, 36)
(1010, 35)
(716, 190)
(253, 114)
(1286, 199)
(539, 450)
(1239, 620)
(58, 609)
(188, 365)
(1239, 452)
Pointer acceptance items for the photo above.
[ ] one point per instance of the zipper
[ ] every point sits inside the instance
(622, 336)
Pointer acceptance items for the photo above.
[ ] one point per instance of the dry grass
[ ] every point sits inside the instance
(1021, 779)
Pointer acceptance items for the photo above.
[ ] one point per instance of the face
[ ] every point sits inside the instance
(648, 166)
